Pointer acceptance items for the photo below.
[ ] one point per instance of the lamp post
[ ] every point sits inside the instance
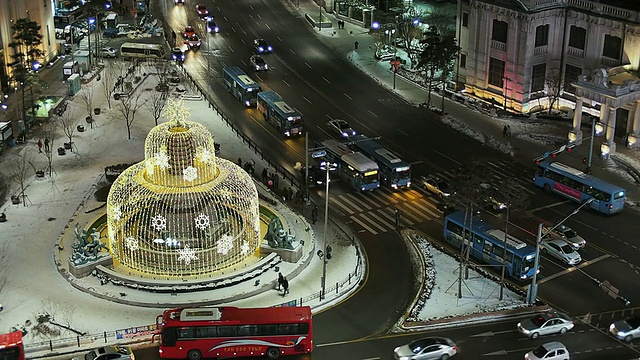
(532, 292)
(328, 167)
(90, 20)
(593, 135)
(506, 79)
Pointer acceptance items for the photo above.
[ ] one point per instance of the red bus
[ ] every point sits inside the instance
(222, 332)
(11, 346)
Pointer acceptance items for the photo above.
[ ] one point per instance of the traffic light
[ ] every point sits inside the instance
(329, 249)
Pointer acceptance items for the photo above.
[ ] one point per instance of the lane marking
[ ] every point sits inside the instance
(325, 79)
(574, 268)
(307, 100)
(364, 225)
(348, 97)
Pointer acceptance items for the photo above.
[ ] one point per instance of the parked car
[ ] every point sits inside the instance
(262, 46)
(212, 27)
(109, 52)
(202, 11)
(561, 250)
(426, 349)
(627, 329)
(545, 324)
(188, 32)
(178, 55)
(257, 62)
(108, 353)
(110, 33)
(436, 185)
(341, 127)
(549, 351)
(563, 232)
(193, 42)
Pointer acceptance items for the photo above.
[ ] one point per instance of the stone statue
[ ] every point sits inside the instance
(87, 247)
(272, 235)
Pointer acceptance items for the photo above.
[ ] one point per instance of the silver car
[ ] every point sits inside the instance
(426, 349)
(436, 185)
(626, 330)
(545, 324)
(561, 250)
(109, 52)
(257, 62)
(563, 232)
(341, 127)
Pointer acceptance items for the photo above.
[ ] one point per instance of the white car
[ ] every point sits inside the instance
(342, 127)
(561, 250)
(257, 62)
(431, 348)
(626, 330)
(545, 324)
(563, 232)
(549, 351)
(109, 52)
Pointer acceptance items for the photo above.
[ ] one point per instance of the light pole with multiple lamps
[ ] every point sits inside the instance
(325, 253)
(532, 292)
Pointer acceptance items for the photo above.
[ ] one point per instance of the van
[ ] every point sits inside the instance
(69, 68)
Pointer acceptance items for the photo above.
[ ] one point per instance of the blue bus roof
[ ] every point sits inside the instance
(576, 174)
(379, 153)
(480, 226)
(241, 77)
(275, 100)
(359, 162)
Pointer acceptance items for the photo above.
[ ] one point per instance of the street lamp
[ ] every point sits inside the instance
(532, 292)
(506, 79)
(91, 21)
(327, 167)
(390, 32)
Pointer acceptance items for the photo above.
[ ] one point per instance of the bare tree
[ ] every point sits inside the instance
(119, 68)
(50, 133)
(109, 77)
(67, 124)
(4, 260)
(553, 83)
(86, 98)
(19, 172)
(156, 103)
(128, 107)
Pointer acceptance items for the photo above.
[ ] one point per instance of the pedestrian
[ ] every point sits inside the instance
(289, 193)
(46, 144)
(397, 213)
(508, 130)
(314, 214)
(504, 131)
(355, 45)
(264, 175)
(240, 162)
(285, 286)
(40, 145)
(280, 280)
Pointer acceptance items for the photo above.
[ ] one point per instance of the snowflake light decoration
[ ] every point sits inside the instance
(190, 173)
(225, 244)
(176, 111)
(187, 254)
(162, 160)
(202, 221)
(205, 155)
(117, 213)
(131, 243)
(158, 223)
(244, 249)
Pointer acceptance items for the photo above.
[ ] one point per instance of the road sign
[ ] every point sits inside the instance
(318, 154)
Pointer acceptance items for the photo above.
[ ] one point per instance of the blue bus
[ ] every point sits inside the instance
(240, 85)
(487, 245)
(394, 172)
(357, 170)
(574, 184)
(283, 117)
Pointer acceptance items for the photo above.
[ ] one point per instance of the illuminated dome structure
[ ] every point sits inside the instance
(182, 212)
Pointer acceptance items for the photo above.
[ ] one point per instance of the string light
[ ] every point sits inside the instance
(182, 211)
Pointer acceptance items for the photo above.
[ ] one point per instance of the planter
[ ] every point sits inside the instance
(89, 119)
(96, 111)
(61, 151)
(40, 173)
(67, 145)
(80, 128)
(116, 96)
(15, 199)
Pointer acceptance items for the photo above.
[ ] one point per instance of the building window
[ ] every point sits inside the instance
(612, 46)
(496, 72)
(463, 60)
(537, 77)
(571, 74)
(577, 37)
(499, 31)
(542, 35)
(465, 19)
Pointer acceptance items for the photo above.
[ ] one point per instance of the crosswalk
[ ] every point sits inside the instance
(374, 211)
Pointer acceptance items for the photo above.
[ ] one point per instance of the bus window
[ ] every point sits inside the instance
(169, 337)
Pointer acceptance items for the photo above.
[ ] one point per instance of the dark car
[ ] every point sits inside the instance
(178, 55)
(262, 46)
(257, 62)
(212, 27)
(202, 11)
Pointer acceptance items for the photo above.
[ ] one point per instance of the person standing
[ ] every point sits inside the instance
(280, 280)
(40, 145)
(397, 214)
(314, 214)
(46, 145)
(504, 131)
(508, 130)
(285, 286)
(355, 45)
(264, 175)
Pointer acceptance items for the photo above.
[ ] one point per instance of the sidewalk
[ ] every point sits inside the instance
(531, 137)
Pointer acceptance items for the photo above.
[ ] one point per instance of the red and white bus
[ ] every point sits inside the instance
(223, 332)
(11, 346)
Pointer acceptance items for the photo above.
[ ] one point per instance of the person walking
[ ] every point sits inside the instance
(285, 286)
(504, 131)
(314, 214)
(40, 145)
(509, 131)
(280, 280)
(397, 214)
(46, 145)
(355, 45)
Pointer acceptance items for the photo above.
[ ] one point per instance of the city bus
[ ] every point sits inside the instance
(487, 245)
(360, 172)
(283, 117)
(130, 51)
(394, 172)
(580, 187)
(11, 347)
(222, 332)
(240, 85)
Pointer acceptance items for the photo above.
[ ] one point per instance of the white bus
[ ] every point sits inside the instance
(130, 51)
